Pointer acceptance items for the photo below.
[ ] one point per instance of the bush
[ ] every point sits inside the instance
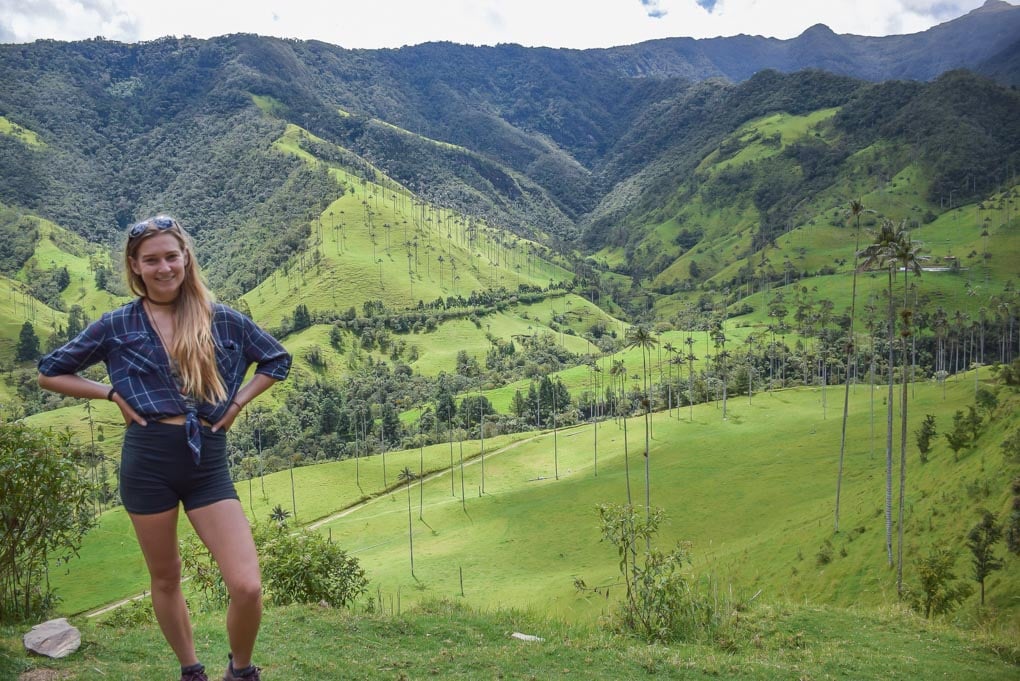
(306, 567)
(661, 603)
(939, 591)
(298, 566)
(45, 511)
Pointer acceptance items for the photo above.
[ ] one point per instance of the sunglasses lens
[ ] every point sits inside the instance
(160, 223)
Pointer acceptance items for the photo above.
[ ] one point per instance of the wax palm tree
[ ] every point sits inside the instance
(906, 256)
(855, 210)
(279, 515)
(407, 476)
(690, 373)
(640, 337)
(619, 371)
(670, 351)
(880, 253)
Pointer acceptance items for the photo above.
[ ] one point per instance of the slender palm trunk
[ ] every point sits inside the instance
(850, 345)
(903, 439)
(889, 427)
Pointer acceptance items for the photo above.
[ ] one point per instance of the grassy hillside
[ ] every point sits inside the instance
(753, 493)
(378, 241)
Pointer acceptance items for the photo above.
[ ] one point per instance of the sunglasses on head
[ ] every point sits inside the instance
(161, 223)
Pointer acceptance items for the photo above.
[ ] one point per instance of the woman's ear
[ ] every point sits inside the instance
(134, 265)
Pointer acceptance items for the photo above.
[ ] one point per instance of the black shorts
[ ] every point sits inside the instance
(157, 471)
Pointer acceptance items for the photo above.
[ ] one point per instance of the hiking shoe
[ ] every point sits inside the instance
(229, 675)
(198, 675)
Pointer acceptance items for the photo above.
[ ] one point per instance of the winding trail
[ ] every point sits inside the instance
(357, 506)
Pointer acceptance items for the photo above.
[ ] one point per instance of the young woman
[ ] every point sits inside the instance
(177, 362)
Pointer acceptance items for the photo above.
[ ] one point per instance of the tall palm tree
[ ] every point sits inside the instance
(855, 210)
(640, 337)
(407, 476)
(690, 373)
(905, 255)
(880, 253)
(670, 352)
(619, 371)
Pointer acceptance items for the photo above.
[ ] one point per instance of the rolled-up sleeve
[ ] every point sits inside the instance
(87, 348)
(267, 353)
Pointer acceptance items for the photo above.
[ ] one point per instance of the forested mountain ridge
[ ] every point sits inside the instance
(862, 137)
(167, 124)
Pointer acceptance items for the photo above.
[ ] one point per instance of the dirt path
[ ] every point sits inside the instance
(431, 476)
(340, 514)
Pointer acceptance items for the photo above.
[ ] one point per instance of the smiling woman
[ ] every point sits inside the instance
(176, 363)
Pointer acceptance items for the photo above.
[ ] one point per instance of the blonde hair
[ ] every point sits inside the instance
(193, 348)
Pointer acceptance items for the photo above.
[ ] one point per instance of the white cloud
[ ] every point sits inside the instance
(393, 23)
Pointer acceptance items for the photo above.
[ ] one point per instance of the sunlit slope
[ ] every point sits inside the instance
(754, 494)
(707, 230)
(55, 248)
(378, 241)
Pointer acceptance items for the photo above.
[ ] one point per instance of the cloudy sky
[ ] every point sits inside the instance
(393, 23)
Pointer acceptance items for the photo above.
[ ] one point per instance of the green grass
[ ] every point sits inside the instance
(447, 640)
(361, 246)
(753, 493)
(30, 138)
(111, 551)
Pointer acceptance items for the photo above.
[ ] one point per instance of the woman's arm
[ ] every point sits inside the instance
(74, 385)
(258, 384)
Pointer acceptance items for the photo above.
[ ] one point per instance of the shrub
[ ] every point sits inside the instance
(306, 567)
(939, 591)
(661, 603)
(297, 567)
(45, 511)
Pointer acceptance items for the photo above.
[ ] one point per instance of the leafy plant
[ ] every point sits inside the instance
(661, 603)
(306, 567)
(45, 512)
(939, 592)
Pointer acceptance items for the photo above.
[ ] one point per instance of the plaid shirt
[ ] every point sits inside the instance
(139, 367)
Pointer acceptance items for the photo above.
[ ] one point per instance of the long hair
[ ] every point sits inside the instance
(193, 348)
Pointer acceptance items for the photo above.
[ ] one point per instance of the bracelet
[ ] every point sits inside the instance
(109, 395)
(234, 402)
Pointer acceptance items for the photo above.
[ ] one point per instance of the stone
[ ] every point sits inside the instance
(55, 638)
(525, 637)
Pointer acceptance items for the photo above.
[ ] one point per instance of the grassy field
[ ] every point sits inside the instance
(753, 493)
(448, 640)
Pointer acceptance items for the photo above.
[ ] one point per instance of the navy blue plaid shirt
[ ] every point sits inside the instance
(139, 368)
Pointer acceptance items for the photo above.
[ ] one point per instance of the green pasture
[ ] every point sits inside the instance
(28, 137)
(790, 127)
(110, 550)
(376, 242)
(754, 493)
(451, 640)
(578, 379)
(56, 248)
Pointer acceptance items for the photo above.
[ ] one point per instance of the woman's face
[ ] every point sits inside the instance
(160, 262)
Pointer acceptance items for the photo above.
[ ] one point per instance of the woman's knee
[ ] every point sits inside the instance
(246, 589)
(166, 576)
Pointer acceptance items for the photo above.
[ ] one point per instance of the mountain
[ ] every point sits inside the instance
(964, 42)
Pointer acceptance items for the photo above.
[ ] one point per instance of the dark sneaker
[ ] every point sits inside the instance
(195, 676)
(231, 675)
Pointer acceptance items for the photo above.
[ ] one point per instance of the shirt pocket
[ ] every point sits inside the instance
(136, 354)
(228, 359)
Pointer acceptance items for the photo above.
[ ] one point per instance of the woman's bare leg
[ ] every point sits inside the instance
(224, 529)
(157, 535)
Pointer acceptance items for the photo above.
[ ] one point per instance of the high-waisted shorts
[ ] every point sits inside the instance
(157, 470)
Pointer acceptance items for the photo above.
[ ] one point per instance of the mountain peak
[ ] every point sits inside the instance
(993, 6)
(819, 30)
